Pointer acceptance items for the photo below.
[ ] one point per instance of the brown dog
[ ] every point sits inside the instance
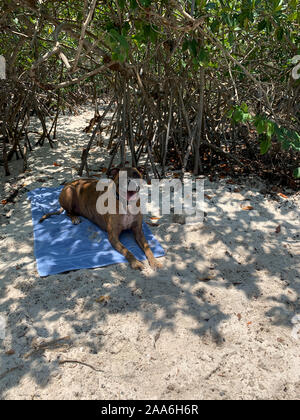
(79, 198)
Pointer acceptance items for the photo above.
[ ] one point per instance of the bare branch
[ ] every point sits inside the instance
(83, 29)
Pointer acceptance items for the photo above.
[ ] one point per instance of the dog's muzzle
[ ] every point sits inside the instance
(130, 193)
(132, 190)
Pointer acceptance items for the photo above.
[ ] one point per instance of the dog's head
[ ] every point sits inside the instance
(130, 179)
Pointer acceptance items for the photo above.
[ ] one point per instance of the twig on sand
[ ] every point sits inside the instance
(60, 362)
(45, 345)
(10, 370)
(156, 337)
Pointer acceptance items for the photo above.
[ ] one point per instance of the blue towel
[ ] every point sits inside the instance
(61, 246)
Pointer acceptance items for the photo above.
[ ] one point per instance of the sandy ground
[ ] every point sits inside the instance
(215, 323)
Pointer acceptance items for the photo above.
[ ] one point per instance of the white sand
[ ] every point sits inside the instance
(159, 335)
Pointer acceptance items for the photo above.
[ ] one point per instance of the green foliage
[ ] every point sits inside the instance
(297, 173)
(144, 33)
(119, 45)
(266, 129)
(263, 35)
(288, 138)
(239, 114)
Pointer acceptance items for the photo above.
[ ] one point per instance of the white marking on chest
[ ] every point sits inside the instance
(130, 217)
(127, 220)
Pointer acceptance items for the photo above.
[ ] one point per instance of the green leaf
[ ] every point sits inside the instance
(262, 25)
(230, 113)
(296, 173)
(148, 32)
(277, 5)
(215, 26)
(211, 6)
(145, 3)
(185, 45)
(288, 138)
(279, 33)
(124, 43)
(203, 56)
(133, 4)
(114, 35)
(193, 47)
(260, 124)
(231, 38)
(244, 107)
(126, 28)
(270, 129)
(237, 115)
(265, 146)
(246, 117)
(122, 3)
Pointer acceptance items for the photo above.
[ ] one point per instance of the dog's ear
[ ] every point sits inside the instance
(112, 173)
(142, 171)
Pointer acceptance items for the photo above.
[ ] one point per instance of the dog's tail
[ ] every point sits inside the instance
(51, 214)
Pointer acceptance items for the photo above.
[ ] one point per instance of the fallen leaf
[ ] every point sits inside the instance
(3, 202)
(282, 195)
(10, 352)
(230, 181)
(249, 323)
(207, 196)
(280, 340)
(56, 164)
(103, 299)
(278, 229)
(274, 189)
(236, 190)
(153, 224)
(247, 208)
(239, 316)
(155, 218)
(206, 278)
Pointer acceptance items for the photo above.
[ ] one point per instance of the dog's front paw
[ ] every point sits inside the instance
(154, 264)
(75, 220)
(137, 265)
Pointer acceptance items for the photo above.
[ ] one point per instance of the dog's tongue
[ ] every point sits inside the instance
(130, 194)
